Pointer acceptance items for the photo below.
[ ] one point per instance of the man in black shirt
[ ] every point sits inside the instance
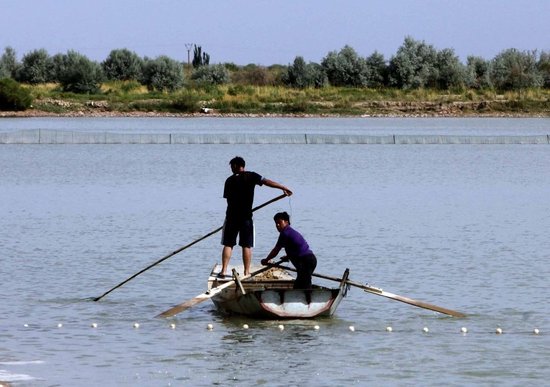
(239, 192)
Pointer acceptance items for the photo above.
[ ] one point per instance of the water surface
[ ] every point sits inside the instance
(460, 226)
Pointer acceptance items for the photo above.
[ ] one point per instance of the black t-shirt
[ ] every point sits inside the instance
(239, 192)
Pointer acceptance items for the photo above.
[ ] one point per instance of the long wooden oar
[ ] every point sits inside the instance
(380, 292)
(210, 293)
(180, 250)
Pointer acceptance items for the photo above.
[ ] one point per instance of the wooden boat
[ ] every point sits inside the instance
(270, 295)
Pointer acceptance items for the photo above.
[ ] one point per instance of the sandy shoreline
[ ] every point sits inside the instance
(114, 114)
(366, 109)
(49, 107)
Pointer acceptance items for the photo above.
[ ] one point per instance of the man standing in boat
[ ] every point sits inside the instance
(297, 251)
(239, 193)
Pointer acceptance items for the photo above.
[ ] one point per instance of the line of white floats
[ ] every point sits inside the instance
(281, 327)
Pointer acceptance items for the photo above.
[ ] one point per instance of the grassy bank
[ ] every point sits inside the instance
(130, 98)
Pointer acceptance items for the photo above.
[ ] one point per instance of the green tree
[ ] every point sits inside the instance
(200, 58)
(543, 65)
(414, 65)
(317, 75)
(211, 75)
(162, 74)
(297, 74)
(13, 97)
(123, 65)
(59, 66)
(78, 74)
(515, 70)
(301, 74)
(8, 63)
(378, 70)
(478, 73)
(450, 71)
(36, 67)
(346, 68)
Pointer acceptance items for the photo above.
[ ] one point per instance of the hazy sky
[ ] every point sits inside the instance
(272, 32)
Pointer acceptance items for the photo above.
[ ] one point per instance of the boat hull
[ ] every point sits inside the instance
(274, 298)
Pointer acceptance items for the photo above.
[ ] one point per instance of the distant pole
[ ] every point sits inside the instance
(188, 46)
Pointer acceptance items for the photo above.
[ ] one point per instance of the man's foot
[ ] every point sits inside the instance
(223, 276)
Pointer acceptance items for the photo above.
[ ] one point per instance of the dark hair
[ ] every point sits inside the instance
(238, 161)
(283, 216)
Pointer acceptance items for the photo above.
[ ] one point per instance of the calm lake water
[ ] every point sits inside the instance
(460, 226)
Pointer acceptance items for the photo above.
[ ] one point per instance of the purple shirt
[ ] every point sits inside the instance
(293, 242)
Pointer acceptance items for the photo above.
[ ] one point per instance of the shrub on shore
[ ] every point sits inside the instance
(14, 97)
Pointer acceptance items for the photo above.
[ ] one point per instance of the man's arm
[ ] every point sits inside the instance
(274, 184)
(271, 255)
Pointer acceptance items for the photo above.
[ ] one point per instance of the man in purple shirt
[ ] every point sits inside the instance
(297, 251)
(239, 192)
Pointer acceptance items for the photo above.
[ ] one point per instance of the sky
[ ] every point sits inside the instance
(272, 32)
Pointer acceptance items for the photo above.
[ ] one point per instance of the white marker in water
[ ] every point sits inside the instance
(281, 327)
(389, 329)
(352, 328)
(498, 331)
(464, 330)
(425, 330)
(210, 327)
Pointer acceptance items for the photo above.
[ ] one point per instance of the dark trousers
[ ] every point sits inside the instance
(305, 266)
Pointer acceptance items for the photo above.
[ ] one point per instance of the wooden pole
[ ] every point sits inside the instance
(180, 250)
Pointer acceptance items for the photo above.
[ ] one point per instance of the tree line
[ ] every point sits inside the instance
(415, 65)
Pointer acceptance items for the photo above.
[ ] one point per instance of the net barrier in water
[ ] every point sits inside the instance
(48, 136)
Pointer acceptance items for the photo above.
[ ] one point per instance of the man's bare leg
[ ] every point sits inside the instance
(226, 257)
(247, 259)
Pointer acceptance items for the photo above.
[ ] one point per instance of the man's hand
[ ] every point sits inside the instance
(264, 261)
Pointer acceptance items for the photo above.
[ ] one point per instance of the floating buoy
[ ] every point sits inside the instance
(464, 330)
(498, 331)
(94, 325)
(352, 328)
(26, 325)
(136, 325)
(316, 327)
(173, 326)
(281, 327)
(210, 327)
(536, 331)
(60, 325)
(425, 330)
(245, 326)
(389, 329)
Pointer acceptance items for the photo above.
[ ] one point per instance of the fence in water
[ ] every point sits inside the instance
(47, 136)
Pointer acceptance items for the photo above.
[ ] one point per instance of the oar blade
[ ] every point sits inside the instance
(380, 292)
(184, 306)
(420, 304)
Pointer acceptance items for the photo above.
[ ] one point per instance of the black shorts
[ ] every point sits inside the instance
(243, 228)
